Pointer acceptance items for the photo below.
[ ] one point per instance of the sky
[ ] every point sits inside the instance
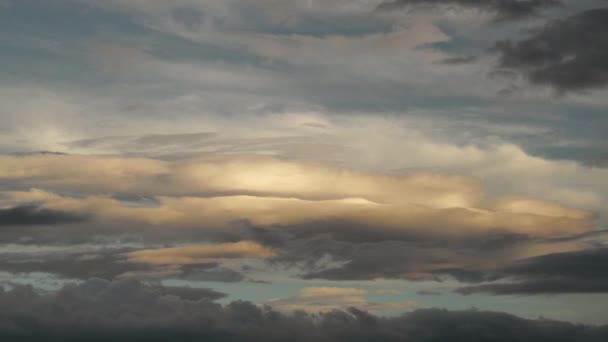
(333, 169)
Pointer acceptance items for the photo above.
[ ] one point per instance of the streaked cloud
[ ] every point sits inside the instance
(327, 299)
(504, 9)
(187, 255)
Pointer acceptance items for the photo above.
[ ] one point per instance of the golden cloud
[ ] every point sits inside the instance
(200, 254)
(267, 191)
(323, 299)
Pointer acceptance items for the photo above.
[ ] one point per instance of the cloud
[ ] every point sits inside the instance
(459, 60)
(323, 51)
(270, 191)
(327, 299)
(210, 272)
(337, 223)
(32, 215)
(557, 273)
(204, 254)
(504, 9)
(428, 293)
(99, 310)
(271, 211)
(106, 263)
(471, 259)
(148, 143)
(556, 56)
(109, 262)
(414, 261)
(233, 175)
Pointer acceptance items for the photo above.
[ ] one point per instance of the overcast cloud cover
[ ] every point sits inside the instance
(333, 170)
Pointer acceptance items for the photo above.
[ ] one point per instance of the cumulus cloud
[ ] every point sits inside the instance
(556, 56)
(99, 310)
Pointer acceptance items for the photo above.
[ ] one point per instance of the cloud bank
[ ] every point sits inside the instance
(98, 310)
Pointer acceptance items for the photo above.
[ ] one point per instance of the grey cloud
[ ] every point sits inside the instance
(99, 310)
(504, 9)
(210, 272)
(31, 215)
(539, 286)
(383, 260)
(472, 261)
(572, 272)
(376, 260)
(77, 265)
(145, 143)
(600, 160)
(349, 231)
(187, 293)
(459, 60)
(428, 293)
(109, 264)
(361, 256)
(570, 54)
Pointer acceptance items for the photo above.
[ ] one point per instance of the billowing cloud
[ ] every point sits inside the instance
(99, 310)
(556, 56)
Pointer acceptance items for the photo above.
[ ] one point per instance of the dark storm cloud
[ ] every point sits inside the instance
(570, 54)
(31, 215)
(99, 310)
(573, 272)
(504, 9)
